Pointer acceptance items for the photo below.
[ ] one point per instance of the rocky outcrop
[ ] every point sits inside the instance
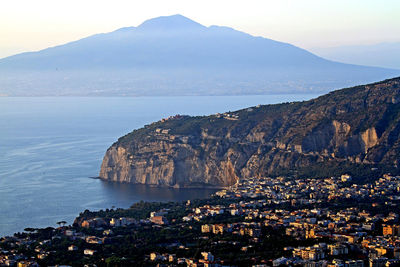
(369, 138)
(168, 163)
(359, 125)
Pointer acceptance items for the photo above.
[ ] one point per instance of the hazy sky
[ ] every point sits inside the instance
(28, 25)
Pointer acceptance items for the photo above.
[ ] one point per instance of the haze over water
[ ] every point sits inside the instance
(49, 147)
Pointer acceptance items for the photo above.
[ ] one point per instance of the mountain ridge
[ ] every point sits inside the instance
(349, 130)
(174, 21)
(385, 55)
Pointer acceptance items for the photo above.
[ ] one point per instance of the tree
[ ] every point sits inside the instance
(61, 223)
(113, 261)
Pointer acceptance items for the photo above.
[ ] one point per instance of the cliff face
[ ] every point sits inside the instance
(358, 125)
(164, 162)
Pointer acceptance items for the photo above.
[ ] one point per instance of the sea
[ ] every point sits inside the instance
(52, 147)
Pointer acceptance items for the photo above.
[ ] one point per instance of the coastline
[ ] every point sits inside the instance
(201, 186)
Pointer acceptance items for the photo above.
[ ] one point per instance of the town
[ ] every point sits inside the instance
(280, 221)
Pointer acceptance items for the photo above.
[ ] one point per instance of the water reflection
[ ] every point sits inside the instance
(126, 194)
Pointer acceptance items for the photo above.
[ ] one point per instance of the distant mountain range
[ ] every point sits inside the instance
(381, 55)
(174, 55)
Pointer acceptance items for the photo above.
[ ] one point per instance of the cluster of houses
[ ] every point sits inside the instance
(374, 238)
(13, 258)
(305, 210)
(234, 116)
(17, 260)
(350, 231)
(228, 116)
(165, 135)
(207, 259)
(175, 117)
(156, 217)
(243, 228)
(310, 191)
(114, 222)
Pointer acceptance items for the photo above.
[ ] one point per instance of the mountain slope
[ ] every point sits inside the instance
(345, 130)
(385, 55)
(173, 41)
(176, 56)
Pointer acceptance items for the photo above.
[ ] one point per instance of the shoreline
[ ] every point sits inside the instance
(44, 226)
(165, 186)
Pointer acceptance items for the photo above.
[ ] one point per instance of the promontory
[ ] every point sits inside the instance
(348, 130)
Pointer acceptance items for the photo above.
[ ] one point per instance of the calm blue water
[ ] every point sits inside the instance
(49, 147)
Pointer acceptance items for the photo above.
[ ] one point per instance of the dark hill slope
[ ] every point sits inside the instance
(345, 130)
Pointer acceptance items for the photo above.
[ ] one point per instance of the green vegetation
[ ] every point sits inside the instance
(361, 173)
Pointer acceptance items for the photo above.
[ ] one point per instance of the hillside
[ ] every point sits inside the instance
(350, 130)
(176, 56)
(385, 55)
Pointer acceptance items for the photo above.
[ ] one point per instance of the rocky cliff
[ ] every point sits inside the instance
(356, 126)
